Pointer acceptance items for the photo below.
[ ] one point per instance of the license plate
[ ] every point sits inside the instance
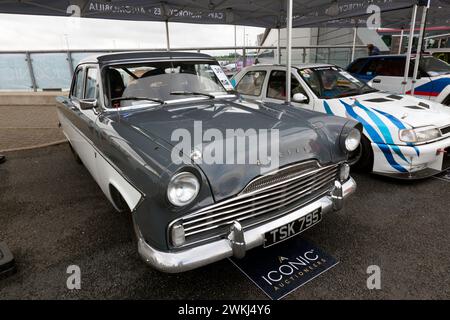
(292, 228)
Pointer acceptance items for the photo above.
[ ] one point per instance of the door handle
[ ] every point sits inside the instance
(376, 80)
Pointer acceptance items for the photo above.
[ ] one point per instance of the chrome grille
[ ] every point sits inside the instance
(262, 199)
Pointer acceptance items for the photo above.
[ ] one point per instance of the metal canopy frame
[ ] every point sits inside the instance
(425, 4)
(262, 13)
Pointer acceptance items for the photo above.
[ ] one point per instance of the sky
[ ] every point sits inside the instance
(20, 32)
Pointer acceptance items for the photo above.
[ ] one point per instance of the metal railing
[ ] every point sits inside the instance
(53, 69)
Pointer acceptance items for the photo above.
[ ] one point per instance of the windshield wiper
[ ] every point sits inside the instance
(139, 98)
(190, 93)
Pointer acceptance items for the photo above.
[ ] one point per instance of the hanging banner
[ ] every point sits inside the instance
(261, 13)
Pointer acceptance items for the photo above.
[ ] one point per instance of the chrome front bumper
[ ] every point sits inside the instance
(238, 240)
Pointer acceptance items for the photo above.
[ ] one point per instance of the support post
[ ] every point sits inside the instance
(244, 56)
(30, 69)
(410, 44)
(355, 32)
(288, 50)
(70, 61)
(167, 35)
(235, 46)
(279, 45)
(419, 47)
(400, 45)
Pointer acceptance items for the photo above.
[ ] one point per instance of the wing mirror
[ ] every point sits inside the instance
(88, 104)
(300, 98)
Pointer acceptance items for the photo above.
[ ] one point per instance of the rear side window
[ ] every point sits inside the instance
(390, 67)
(370, 68)
(77, 90)
(356, 66)
(251, 84)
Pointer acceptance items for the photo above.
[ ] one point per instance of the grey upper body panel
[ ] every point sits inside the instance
(303, 135)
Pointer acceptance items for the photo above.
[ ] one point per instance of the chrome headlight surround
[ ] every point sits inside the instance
(418, 135)
(183, 188)
(350, 142)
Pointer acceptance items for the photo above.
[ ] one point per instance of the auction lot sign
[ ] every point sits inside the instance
(281, 269)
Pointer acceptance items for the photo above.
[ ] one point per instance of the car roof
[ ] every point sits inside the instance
(413, 56)
(136, 56)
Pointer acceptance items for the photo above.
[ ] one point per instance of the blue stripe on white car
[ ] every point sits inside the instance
(399, 125)
(372, 132)
(383, 129)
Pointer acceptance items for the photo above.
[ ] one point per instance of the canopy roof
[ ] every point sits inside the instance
(258, 13)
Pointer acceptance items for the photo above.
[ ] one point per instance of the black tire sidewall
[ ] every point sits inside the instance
(365, 162)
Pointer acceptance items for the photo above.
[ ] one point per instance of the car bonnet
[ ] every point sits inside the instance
(298, 140)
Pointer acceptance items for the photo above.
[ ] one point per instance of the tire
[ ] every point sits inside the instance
(119, 201)
(75, 155)
(365, 161)
(446, 101)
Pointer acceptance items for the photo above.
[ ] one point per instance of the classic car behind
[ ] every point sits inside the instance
(386, 72)
(121, 118)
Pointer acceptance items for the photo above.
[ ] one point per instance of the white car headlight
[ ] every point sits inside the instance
(353, 140)
(183, 188)
(419, 134)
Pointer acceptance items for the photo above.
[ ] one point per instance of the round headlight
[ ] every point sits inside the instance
(183, 188)
(353, 139)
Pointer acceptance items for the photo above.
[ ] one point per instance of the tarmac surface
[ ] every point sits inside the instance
(53, 215)
(27, 126)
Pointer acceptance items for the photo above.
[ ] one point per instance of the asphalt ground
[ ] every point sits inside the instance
(53, 214)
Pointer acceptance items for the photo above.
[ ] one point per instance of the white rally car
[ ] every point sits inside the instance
(404, 137)
(387, 73)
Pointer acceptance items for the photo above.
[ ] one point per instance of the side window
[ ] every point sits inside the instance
(391, 67)
(277, 86)
(388, 67)
(251, 84)
(356, 66)
(370, 68)
(91, 84)
(77, 90)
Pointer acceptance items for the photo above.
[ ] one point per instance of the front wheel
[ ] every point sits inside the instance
(362, 157)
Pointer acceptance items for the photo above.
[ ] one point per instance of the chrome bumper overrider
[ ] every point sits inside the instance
(238, 240)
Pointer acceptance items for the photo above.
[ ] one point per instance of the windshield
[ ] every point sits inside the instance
(333, 82)
(434, 67)
(160, 82)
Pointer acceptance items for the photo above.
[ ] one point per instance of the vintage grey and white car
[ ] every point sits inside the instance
(124, 118)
